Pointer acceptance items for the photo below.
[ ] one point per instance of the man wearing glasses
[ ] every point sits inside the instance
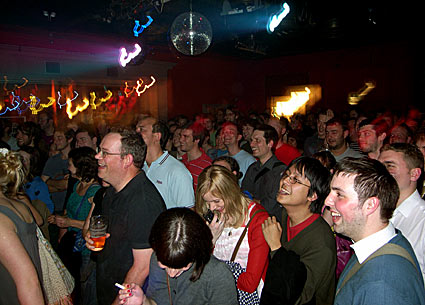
(303, 188)
(132, 204)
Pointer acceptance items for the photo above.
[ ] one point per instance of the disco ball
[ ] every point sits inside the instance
(191, 33)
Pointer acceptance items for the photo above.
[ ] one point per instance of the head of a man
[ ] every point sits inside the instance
(86, 137)
(401, 133)
(279, 124)
(231, 114)
(63, 138)
(371, 135)
(192, 137)
(231, 134)
(208, 122)
(322, 118)
(121, 155)
(304, 185)
(153, 131)
(28, 134)
(248, 127)
(45, 120)
(405, 163)
(336, 134)
(420, 141)
(263, 140)
(363, 197)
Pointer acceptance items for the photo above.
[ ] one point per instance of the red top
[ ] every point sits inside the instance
(291, 232)
(258, 257)
(286, 153)
(196, 166)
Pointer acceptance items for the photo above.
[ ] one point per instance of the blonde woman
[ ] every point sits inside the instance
(218, 191)
(20, 268)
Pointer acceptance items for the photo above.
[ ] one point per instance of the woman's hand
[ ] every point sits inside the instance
(132, 295)
(51, 219)
(217, 226)
(62, 221)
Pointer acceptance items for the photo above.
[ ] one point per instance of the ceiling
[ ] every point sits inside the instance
(310, 26)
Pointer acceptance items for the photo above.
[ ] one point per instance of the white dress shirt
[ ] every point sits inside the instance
(367, 246)
(409, 218)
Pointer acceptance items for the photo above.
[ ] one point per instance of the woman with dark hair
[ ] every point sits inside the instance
(182, 270)
(72, 250)
(20, 267)
(229, 163)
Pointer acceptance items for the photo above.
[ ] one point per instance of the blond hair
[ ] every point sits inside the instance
(12, 173)
(222, 184)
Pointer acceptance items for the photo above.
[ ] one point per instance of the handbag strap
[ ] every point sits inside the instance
(83, 199)
(169, 289)
(238, 244)
(388, 248)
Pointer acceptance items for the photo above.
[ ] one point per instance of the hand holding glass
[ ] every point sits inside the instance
(98, 226)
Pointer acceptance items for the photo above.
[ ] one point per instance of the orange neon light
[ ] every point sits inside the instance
(93, 104)
(288, 107)
(79, 108)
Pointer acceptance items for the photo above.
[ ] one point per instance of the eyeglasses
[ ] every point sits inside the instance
(104, 154)
(293, 179)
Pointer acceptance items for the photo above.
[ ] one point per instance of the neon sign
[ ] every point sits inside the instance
(276, 19)
(295, 102)
(126, 58)
(142, 27)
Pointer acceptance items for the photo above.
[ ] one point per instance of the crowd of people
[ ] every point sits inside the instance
(221, 208)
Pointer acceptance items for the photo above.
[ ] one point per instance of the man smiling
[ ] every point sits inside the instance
(303, 189)
(362, 200)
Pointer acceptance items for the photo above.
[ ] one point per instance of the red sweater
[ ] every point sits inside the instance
(286, 153)
(258, 257)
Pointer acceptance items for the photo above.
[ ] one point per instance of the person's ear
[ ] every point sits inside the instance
(415, 173)
(312, 197)
(382, 136)
(371, 205)
(128, 160)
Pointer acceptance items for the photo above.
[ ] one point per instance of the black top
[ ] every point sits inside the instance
(262, 181)
(131, 214)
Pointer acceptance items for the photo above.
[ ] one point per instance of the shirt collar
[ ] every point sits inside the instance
(365, 247)
(408, 205)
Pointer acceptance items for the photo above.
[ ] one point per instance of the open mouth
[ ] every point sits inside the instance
(283, 191)
(335, 216)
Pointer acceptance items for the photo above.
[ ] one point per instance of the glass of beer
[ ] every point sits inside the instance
(98, 226)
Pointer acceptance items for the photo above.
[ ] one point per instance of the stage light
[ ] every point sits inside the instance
(277, 18)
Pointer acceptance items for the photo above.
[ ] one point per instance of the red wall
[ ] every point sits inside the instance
(206, 80)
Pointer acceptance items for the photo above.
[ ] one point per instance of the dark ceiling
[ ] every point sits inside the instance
(311, 25)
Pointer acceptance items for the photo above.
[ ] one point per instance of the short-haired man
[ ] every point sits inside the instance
(283, 151)
(336, 138)
(362, 200)
(303, 189)
(132, 204)
(231, 138)
(262, 177)
(372, 134)
(400, 133)
(56, 168)
(85, 136)
(195, 159)
(248, 127)
(170, 176)
(316, 142)
(405, 163)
